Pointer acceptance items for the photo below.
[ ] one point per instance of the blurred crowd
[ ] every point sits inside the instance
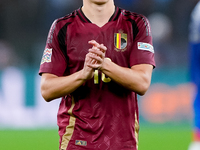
(25, 24)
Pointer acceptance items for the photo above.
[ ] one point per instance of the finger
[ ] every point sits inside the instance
(93, 60)
(94, 43)
(95, 51)
(97, 58)
(102, 48)
(89, 58)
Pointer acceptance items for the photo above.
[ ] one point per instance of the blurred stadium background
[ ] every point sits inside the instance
(28, 122)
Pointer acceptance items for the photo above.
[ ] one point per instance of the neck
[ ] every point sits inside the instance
(98, 14)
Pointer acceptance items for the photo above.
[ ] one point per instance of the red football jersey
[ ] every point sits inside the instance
(101, 114)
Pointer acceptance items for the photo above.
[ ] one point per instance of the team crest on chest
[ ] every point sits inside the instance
(120, 41)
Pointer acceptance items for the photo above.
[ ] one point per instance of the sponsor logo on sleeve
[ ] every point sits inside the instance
(46, 56)
(145, 46)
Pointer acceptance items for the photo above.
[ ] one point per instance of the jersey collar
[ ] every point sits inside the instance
(85, 19)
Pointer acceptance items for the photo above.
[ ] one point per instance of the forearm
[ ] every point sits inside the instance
(53, 87)
(134, 79)
(137, 78)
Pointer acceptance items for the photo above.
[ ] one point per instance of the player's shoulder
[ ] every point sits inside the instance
(67, 19)
(130, 15)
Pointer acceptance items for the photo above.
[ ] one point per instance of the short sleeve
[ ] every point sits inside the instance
(142, 49)
(53, 60)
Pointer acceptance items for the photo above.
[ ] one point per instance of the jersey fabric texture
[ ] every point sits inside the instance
(101, 114)
(195, 59)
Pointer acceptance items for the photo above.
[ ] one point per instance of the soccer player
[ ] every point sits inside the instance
(195, 72)
(98, 59)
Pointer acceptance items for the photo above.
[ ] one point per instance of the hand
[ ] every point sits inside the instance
(96, 54)
(87, 71)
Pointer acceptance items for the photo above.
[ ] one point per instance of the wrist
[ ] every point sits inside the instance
(81, 76)
(105, 64)
(85, 74)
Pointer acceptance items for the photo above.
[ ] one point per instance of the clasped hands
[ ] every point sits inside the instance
(94, 59)
(96, 55)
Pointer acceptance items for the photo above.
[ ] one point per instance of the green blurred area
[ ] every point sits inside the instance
(151, 137)
(164, 137)
(29, 139)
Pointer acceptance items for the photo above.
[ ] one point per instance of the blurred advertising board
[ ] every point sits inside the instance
(169, 99)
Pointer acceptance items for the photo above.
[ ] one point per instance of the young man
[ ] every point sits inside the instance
(194, 42)
(98, 59)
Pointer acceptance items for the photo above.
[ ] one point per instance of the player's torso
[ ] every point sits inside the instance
(105, 112)
(116, 35)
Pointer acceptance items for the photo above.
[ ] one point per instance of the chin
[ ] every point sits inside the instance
(100, 2)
